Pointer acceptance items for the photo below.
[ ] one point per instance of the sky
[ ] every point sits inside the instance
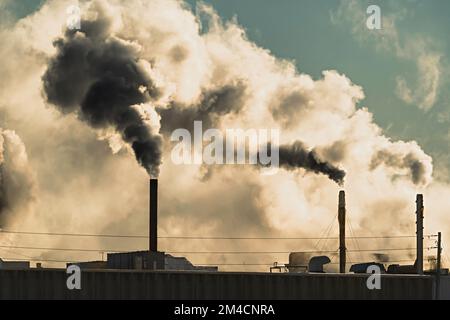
(304, 31)
(285, 52)
(312, 34)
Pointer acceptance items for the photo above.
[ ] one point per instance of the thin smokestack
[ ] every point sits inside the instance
(341, 218)
(153, 218)
(419, 233)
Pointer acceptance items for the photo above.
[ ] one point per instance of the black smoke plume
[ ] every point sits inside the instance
(212, 105)
(297, 155)
(100, 77)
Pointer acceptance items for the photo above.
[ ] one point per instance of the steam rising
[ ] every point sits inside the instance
(17, 185)
(154, 61)
(417, 168)
(103, 79)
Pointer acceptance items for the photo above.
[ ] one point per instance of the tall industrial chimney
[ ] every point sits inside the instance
(341, 219)
(419, 233)
(153, 218)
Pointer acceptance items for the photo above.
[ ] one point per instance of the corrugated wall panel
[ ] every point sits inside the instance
(51, 284)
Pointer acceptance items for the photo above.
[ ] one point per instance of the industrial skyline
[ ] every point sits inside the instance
(224, 136)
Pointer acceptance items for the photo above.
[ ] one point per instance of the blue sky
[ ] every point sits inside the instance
(304, 31)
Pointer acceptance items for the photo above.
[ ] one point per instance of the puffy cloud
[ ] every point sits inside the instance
(407, 156)
(205, 71)
(17, 183)
(418, 49)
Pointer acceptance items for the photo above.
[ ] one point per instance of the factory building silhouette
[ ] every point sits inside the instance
(154, 274)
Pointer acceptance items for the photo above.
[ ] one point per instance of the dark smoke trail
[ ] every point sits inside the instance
(100, 77)
(213, 105)
(410, 161)
(297, 156)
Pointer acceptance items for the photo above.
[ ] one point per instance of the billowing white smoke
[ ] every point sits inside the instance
(17, 185)
(190, 62)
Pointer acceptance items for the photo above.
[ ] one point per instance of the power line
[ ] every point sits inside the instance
(63, 249)
(198, 264)
(22, 255)
(200, 252)
(271, 264)
(174, 252)
(74, 234)
(355, 240)
(326, 232)
(245, 252)
(281, 238)
(198, 237)
(42, 260)
(285, 252)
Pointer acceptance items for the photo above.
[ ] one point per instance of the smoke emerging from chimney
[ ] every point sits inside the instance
(230, 100)
(101, 78)
(158, 61)
(112, 75)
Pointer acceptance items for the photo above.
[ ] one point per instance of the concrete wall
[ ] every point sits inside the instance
(51, 284)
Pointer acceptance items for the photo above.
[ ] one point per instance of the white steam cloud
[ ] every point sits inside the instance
(17, 184)
(212, 65)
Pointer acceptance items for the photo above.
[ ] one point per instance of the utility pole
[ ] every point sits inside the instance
(341, 219)
(438, 266)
